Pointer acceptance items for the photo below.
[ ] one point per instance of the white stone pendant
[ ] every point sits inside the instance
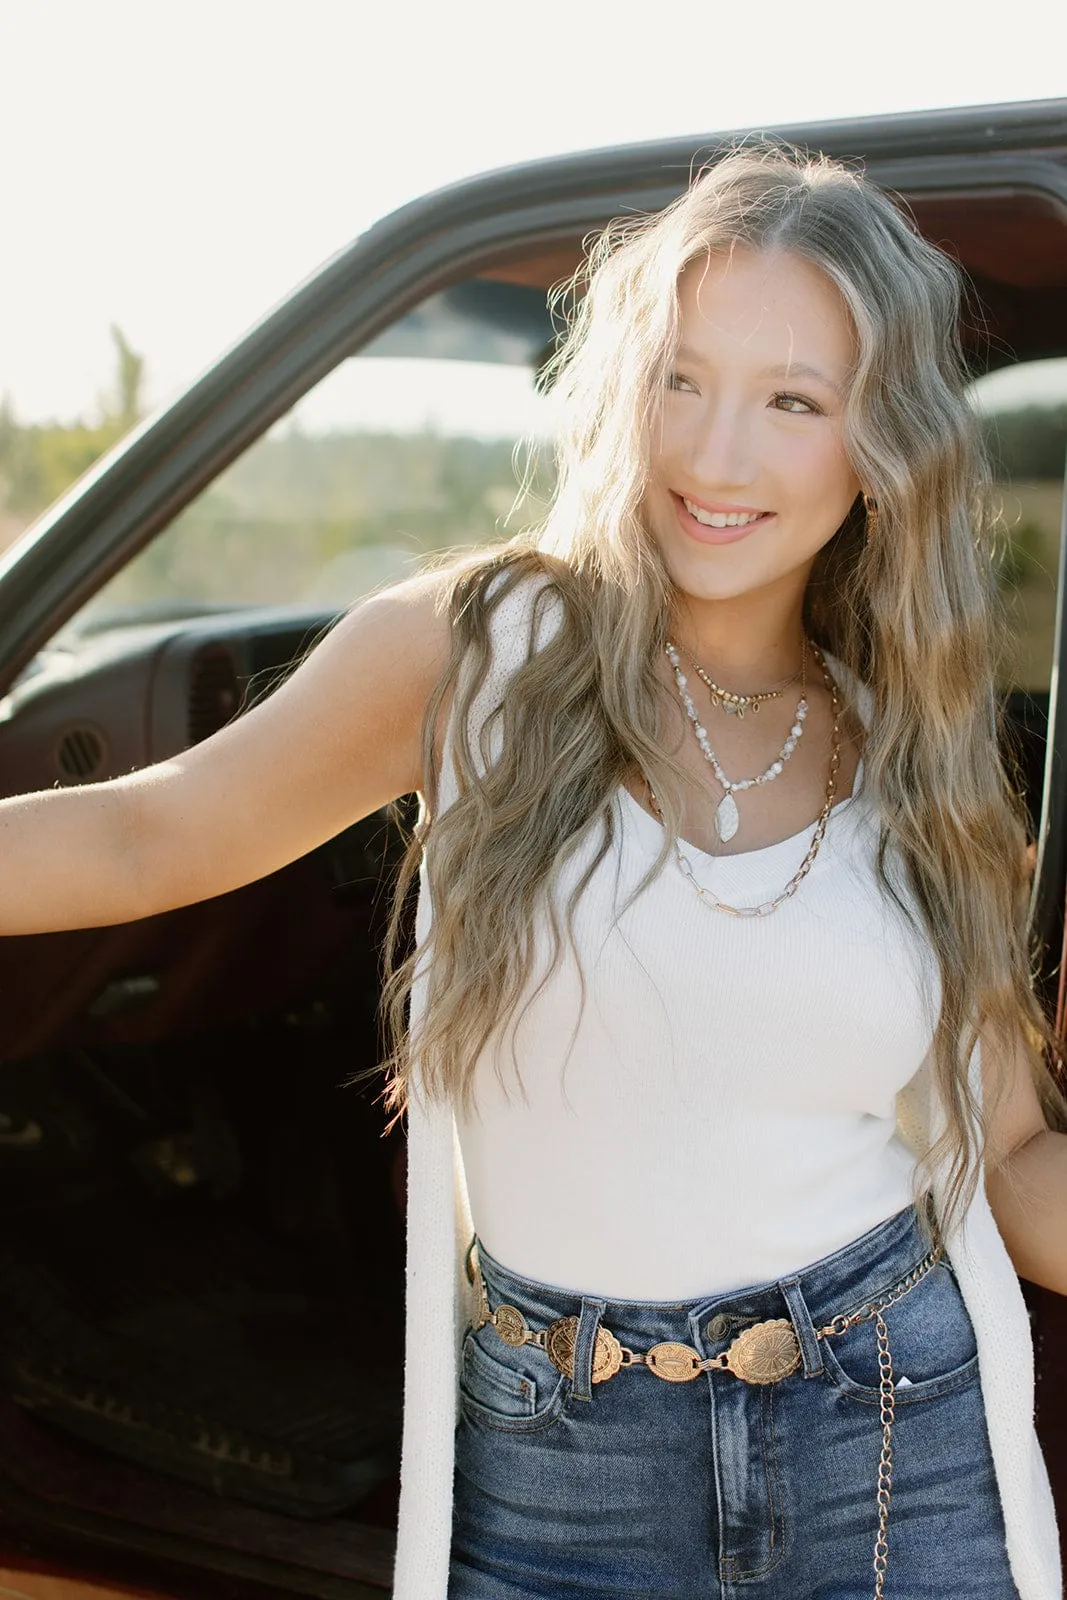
(726, 818)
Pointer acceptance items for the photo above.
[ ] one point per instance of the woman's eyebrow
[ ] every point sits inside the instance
(792, 369)
(801, 369)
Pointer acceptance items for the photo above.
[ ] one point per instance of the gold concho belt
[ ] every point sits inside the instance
(760, 1354)
(765, 1352)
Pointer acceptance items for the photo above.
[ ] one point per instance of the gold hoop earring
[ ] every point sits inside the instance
(870, 508)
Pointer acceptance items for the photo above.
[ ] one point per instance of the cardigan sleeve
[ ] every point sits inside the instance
(439, 1225)
(432, 1313)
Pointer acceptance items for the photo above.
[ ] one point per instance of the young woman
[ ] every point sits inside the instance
(728, 1127)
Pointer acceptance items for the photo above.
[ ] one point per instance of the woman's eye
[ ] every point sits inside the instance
(677, 381)
(796, 405)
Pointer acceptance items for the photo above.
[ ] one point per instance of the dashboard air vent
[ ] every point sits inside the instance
(81, 754)
(213, 692)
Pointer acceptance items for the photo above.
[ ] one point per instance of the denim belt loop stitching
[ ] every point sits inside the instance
(803, 1327)
(588, 1322)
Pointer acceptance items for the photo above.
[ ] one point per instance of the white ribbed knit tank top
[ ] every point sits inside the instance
(721, 1110)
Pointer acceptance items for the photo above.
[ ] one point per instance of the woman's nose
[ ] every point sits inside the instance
(721, 448)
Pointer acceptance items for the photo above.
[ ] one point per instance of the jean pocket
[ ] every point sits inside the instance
(512, 1387)
(931, 1342)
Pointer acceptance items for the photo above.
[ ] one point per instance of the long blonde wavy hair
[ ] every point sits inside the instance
(911, 610)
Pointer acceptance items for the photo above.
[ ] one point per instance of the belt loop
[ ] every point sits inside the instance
(585, 1339)
(479, 1313)
(803, 1326)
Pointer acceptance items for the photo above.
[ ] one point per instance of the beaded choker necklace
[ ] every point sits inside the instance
(735, 705)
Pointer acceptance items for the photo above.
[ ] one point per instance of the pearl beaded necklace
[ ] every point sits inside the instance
(768, 907)
(727, 819)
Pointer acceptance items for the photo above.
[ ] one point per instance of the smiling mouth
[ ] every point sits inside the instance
(721, 519)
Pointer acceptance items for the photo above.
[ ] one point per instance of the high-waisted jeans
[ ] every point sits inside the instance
(719, 1488)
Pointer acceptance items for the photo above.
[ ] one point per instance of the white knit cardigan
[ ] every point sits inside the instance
(439, 1229)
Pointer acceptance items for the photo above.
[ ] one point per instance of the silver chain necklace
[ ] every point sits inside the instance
(727, 818)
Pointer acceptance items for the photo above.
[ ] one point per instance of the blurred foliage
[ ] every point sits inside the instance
(1021, 552)
(1028, 443)
(39, 460)
(322, 519)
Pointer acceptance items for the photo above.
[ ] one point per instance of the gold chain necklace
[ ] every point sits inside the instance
(737, 704)
(805, 867)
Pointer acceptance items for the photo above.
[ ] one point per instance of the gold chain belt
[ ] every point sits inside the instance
(766, 1352)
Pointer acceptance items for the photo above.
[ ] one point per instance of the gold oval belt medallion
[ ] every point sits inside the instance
(675, 1363)
(510, 1324)
(560, 1340)
(764, 1353)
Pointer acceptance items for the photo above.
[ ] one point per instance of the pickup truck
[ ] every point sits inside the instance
(201, 1245)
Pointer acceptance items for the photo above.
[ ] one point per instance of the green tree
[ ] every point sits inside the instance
(126, 408)
(39, 460)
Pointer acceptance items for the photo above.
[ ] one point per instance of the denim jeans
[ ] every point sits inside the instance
(717, 1487)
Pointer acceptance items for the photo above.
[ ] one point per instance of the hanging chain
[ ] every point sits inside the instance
(885, 1465)
(887, 1398)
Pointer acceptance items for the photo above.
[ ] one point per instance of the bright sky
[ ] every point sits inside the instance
(177, 168)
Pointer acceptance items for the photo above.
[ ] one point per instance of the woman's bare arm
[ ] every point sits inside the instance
(337, 740)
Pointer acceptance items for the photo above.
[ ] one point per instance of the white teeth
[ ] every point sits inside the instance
(721, 519)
